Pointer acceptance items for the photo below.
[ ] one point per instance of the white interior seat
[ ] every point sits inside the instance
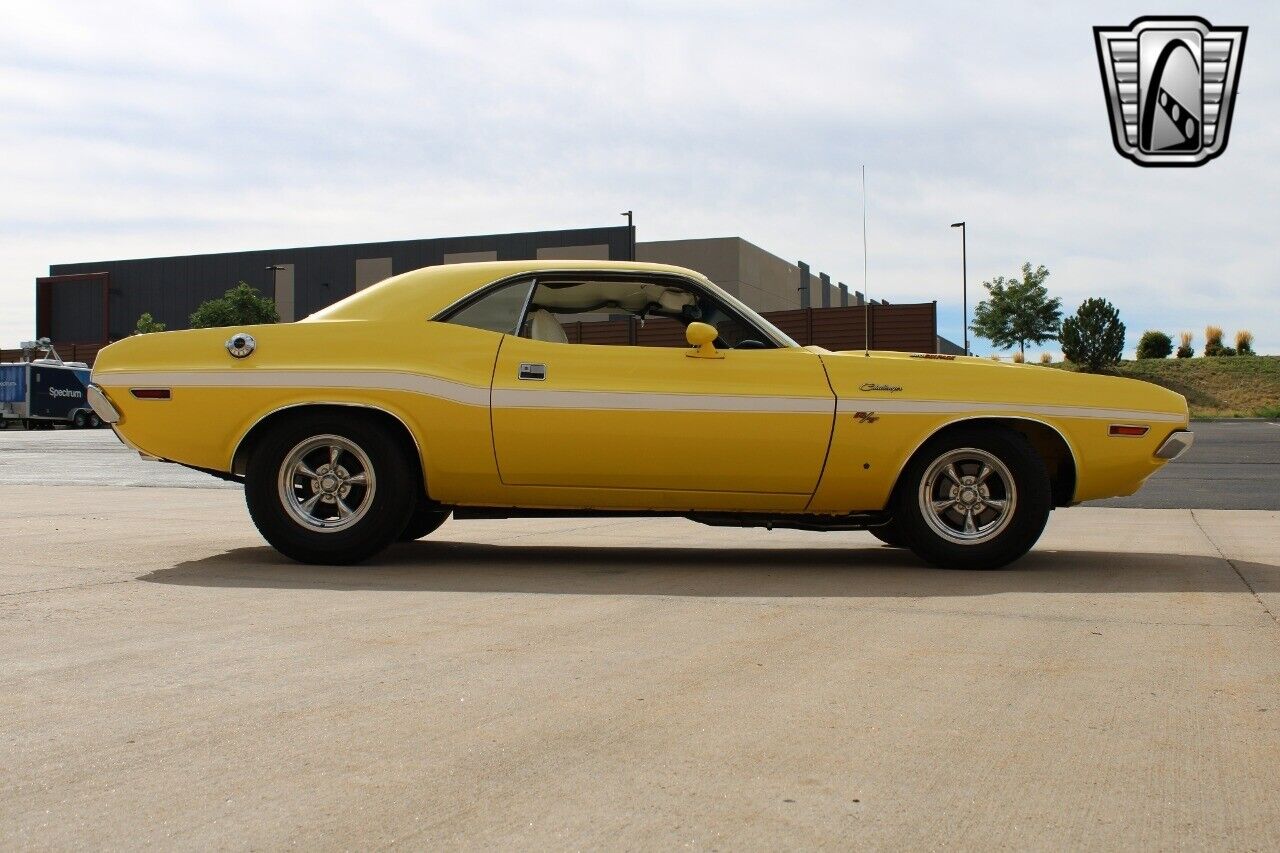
(543, 326)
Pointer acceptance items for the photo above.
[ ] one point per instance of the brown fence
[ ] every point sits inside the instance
(905, 328)
(69, 352)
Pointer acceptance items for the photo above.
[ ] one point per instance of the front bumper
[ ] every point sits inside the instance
(1176, 444)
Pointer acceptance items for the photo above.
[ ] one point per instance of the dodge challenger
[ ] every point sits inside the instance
(505, 389)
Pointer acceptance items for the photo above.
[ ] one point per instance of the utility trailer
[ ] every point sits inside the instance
(37, 393)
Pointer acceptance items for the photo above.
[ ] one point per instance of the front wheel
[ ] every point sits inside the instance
(330, 490)
(889, 533)
(974, 499)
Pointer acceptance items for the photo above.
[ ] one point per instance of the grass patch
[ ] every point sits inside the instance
(1232, 387)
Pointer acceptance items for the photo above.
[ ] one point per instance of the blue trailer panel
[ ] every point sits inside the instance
(13, 383)
(57, 392)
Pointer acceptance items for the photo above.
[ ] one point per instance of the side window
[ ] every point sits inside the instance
(496, 311)
(628, 312)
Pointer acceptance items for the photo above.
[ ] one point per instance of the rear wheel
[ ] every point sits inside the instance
(80, 421)
(425, 520)
(94, 420)
(323, 489)
(974, 499)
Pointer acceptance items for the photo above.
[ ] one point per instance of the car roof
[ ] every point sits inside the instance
(425, 292)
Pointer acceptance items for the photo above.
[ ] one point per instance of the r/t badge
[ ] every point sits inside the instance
(1170, 84)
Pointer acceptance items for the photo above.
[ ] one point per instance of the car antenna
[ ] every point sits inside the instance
(866, 292)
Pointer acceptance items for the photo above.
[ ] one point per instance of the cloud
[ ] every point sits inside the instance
(157, 128)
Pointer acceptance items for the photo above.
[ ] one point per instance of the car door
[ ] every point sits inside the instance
(657, 418)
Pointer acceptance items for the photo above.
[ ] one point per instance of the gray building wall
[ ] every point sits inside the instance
(316, 276)
(313, 277)
(761, 279)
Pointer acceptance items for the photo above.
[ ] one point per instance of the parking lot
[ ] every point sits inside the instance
(170, 680)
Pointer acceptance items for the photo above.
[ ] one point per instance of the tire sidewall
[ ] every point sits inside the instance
(1035, 501)
(425, 519)
(381, 524)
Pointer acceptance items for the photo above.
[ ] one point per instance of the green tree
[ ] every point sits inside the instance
(239, 306)
(1154, 345)
(147, 324)
(1019, 311)
(1094, 337)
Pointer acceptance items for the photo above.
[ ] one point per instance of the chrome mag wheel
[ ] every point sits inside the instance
(327, 483)
(968, 496)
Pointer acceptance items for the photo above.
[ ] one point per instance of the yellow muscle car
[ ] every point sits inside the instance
(507, 390)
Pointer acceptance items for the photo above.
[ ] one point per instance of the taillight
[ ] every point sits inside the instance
(150, 393)
(1129, 430)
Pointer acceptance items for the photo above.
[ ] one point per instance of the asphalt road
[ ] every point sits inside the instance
(1233, 465)
(170, 682)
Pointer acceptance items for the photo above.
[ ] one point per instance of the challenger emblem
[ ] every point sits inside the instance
(872, 386)
(1170, 84)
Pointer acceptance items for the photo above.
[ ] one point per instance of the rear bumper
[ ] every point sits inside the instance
(101, 405)
(1176, 444)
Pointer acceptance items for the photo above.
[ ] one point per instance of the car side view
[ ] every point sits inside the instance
(563, 388)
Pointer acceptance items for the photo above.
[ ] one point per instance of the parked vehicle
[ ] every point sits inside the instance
(457, 389)
(37, 393)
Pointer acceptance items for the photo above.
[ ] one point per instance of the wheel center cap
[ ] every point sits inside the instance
(328, 483)
(968, 496)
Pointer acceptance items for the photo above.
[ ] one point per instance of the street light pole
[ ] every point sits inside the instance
(273, 269)
(631, 229)
(964, 279)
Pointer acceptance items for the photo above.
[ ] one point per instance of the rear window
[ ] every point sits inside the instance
(497, 310)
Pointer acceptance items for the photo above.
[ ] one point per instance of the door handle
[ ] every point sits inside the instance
(536, 372)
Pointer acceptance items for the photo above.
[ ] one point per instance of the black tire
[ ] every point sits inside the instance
(969, 522)
(94, 420)
(890, 534)
(379, 517)
(426, 518)
(79, 421)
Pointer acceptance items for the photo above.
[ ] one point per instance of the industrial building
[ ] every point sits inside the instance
(88, 304)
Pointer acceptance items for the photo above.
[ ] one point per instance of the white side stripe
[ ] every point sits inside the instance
(946, 407)
(369, 380)
(471, 395)
(641, 401)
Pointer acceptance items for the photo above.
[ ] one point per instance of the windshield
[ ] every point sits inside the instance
(742, 308)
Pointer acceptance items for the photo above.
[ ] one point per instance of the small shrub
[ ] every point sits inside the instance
(995, 356)
(1045, 358)
(1019, 358)
(1184, 346)
(1244, 342)
(1213, 341)
(147, 324)
(239, 306)
(1094, 337)
(1154, 344)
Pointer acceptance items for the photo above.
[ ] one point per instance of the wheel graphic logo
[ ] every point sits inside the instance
(1170, 85)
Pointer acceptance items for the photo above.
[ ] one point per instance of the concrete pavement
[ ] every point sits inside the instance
(170, 680)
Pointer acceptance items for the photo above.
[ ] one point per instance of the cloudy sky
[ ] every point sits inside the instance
(142, 129)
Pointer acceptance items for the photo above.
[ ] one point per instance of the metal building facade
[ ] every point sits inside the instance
(92, 302)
